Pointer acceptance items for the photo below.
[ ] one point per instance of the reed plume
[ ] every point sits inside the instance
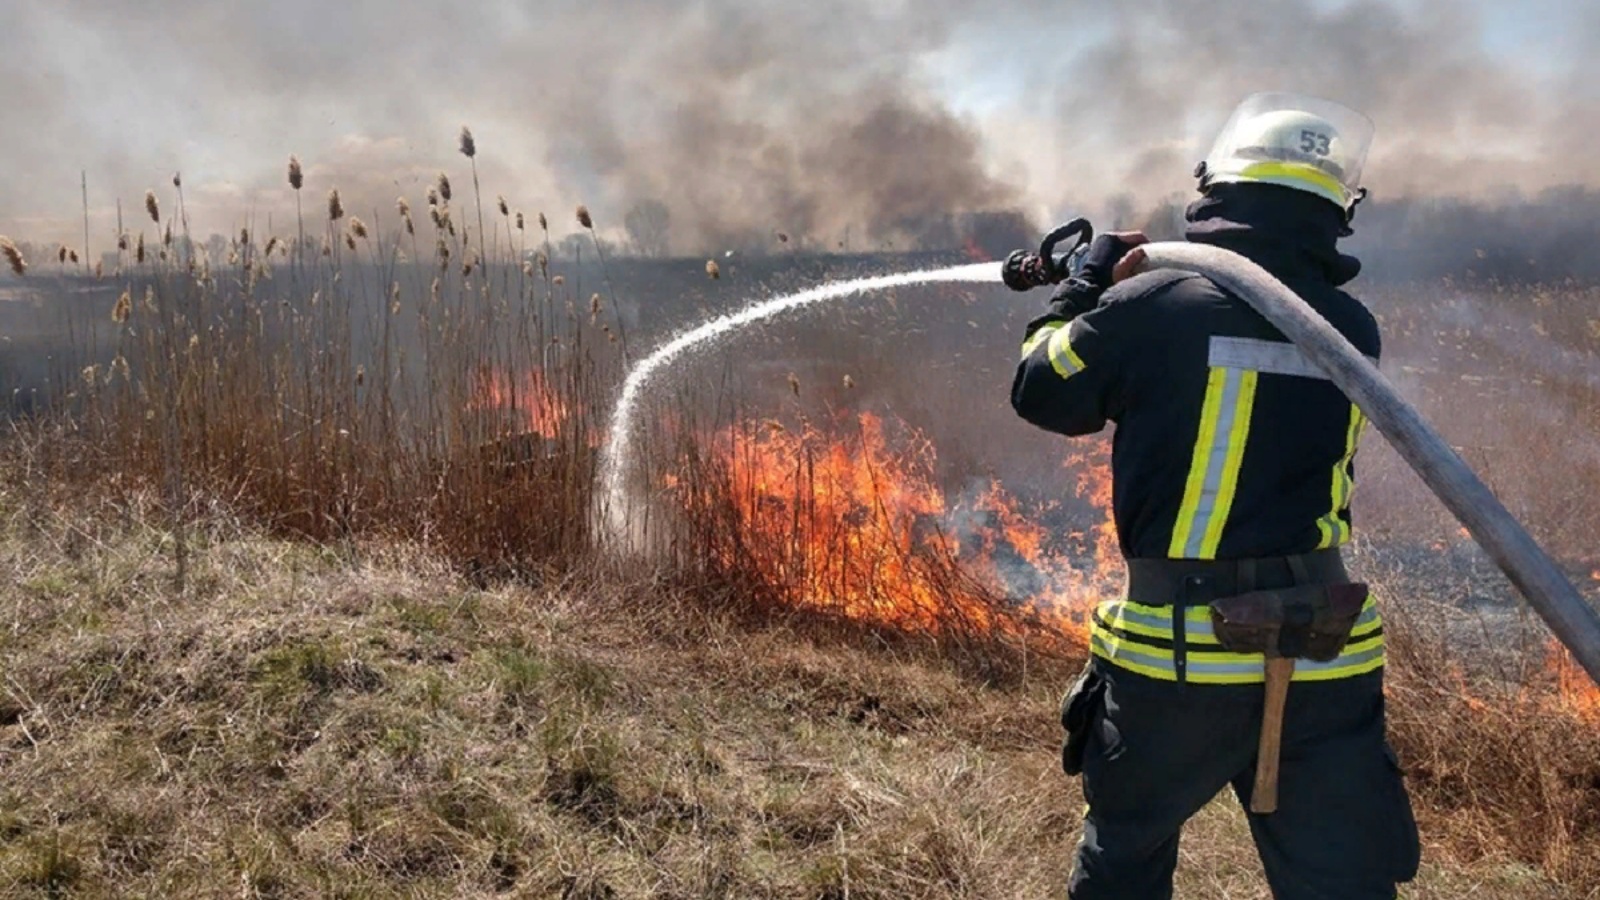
(296, 177)
(152, 207)
(124, 306)
(72, 257)
(433, 195)
(444, 187)
(138, 253)
(712, 269)
(501, 202)
(272, 244)
(61, 255)
(350, 241)
(244, 237)
(13, 255)
(335, 208)
(177, 179)
(166, 237)
(584, 218)
(469, 147)
(519, 221)
(358, 227)
(544, 224)
(122, 241)
(404, 207)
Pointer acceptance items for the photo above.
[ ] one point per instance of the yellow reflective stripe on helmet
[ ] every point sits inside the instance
(1057, 340)
(1214, 469)
(1139, 638)
(1289, 171)
(1332, 527)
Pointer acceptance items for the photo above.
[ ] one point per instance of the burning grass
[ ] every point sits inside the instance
(852, 523)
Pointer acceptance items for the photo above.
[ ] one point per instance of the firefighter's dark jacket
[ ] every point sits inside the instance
(1229, 442)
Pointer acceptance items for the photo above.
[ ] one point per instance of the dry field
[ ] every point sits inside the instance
(300, 593)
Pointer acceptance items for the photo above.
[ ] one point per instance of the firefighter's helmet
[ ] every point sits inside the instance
(1298, 142)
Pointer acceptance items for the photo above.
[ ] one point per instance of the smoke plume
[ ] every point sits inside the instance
(832, 122)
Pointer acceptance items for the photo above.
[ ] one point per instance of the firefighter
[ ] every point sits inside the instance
(1232, 471)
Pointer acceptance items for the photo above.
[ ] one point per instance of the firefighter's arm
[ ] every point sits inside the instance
(1069, 379)
(1068, 374)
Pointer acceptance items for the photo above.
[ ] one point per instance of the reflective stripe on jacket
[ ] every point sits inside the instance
(1139, 638)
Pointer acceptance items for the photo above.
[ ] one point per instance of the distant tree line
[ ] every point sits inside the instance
(1550, 236)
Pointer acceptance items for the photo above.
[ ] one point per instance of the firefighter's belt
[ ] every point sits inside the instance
(1161, 581)
(1166, 627)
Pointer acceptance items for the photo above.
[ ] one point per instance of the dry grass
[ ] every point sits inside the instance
(307, 721)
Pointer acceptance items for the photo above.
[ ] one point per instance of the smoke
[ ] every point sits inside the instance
(834, 122)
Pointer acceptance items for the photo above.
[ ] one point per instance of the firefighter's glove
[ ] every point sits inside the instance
(1100, 266)
(1108, 261)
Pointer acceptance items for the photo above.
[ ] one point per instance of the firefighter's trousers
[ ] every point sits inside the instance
(1157, 751)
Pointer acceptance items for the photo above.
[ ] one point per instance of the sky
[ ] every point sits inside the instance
(743, 115)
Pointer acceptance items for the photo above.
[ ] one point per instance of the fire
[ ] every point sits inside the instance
(533, 405)
(1577, 690)
(852, 527)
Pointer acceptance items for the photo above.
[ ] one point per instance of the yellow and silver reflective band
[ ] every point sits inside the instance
(1057, 338)
(1332, 527)
(1139, 638)
(1214, 470)
(1298, 174)
(1266, 357)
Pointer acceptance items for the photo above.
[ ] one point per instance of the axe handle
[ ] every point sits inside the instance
(1264, 797)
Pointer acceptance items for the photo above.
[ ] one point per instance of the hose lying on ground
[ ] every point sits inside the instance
(1575, 623)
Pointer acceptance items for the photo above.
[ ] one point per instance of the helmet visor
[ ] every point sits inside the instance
(1305, 142)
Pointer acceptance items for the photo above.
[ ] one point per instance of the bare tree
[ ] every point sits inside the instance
(647, 225)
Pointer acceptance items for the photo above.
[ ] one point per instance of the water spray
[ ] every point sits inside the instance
(620, 513)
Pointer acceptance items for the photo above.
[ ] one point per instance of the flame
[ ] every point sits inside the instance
(1577, 690)
(847, 525)
(534, 406)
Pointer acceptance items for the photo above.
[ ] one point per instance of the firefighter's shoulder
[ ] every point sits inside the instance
(1147, 285)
